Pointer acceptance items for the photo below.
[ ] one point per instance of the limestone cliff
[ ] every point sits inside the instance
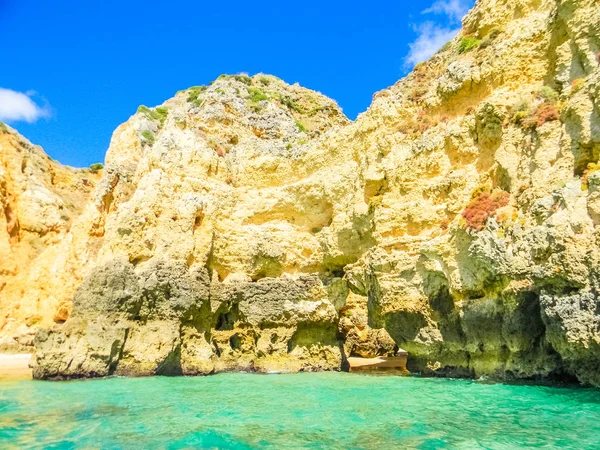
(40, 201)
(221, 234)
(248, 225)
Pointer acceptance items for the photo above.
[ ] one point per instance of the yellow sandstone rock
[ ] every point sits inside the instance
(248, 225)
(41, 201)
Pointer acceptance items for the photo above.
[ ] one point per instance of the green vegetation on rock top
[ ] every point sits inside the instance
(160, 114)
(194, 93)
(241, 78)
(256, 95)
(287, 101)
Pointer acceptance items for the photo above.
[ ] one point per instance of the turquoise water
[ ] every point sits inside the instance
(323, 410)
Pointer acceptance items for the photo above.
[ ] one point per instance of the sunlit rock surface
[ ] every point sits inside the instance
(248, 225)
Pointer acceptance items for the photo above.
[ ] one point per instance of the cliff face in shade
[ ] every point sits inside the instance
(249, 225)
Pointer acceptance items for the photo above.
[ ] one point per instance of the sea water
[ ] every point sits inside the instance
(311, 410)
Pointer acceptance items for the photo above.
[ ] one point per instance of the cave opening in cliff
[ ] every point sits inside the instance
(226, 320)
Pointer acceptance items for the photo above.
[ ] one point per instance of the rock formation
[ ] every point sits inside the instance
(249, 225)
(40, 200)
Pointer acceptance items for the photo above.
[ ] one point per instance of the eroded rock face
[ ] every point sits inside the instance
(486, 260)
(40, 201)
(248, 225)
(167, 320)
(573, 329)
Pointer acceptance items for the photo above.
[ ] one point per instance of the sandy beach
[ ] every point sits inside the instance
(15, 366)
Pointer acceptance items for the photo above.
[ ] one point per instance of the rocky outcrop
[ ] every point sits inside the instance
(486, 260)
(248, 225)
(207, 224)
(169, 320)
(40, 200)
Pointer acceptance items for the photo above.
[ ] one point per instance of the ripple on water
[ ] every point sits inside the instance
(324, 410)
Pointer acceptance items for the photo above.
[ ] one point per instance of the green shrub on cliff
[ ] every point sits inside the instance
(467, 44)
(545, 112)
(287, 101)
(241, 78)
(159, 114)
(519, 113)
(301, 126)
(548, 94)
(529, 118)
(148, 137)
(143, 109)
(256, 95)
(162, 113)
(96, 167)
(193, 94)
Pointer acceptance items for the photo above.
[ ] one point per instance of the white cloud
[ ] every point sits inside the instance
(454, 9)
(431, 38)
(432, 35)
(18, 106)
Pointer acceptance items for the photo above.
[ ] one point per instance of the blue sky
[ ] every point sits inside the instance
(73, 71)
